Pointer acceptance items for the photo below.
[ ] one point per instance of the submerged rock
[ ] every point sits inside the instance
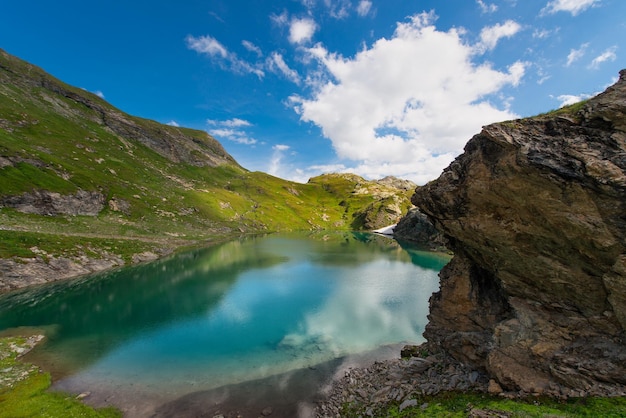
(535, 212)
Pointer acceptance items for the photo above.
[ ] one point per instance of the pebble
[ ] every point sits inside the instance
(83, 395)
(494, 387)
(408, 404)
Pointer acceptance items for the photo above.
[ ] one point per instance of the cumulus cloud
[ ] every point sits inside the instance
(608, 55)
(407, 105)
(572, 6)
(212, 48)
(277, 64)
(490, 35)
(301, 30)
(173, 123)
(231, 130)
(576, 54)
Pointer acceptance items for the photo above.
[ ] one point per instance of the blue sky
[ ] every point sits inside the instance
(301, 87)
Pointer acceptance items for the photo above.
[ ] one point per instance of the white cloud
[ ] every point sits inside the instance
(277, 63)
(206, 45)
(231, 130)
(308, 4)
(486, 8)
(211, 47)
(281, 19)
(252, 48)
(364, 7)
(217, 17)
(303, 175)
(280, 147)
(277, 156)
(173, 123)
(338, 9)
(572, 6)
(543, 76)
(608, 55)
(407, 105)
(235, 123)
(576, 54)
(542, 33)
(301, 30)
(490, 35)
(568, 99)
(96, 92)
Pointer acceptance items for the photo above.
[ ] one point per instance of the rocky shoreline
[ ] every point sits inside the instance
(419, 374)
(400, 382)
(17, 273)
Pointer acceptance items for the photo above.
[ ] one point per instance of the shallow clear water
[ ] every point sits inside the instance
(242, 310)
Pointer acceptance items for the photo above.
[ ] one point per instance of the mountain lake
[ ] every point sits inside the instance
(258, 322)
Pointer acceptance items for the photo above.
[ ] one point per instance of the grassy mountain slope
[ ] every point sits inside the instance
(73, 166)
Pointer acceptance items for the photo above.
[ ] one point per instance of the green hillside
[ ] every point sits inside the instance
(79, 177)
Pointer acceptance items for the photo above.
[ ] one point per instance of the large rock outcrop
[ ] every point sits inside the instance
(43, 202)
(535, 212)
(415, 227)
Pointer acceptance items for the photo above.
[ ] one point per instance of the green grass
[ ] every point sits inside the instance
(569, 110)
(31, 244)
(452, 405)
(24, 391)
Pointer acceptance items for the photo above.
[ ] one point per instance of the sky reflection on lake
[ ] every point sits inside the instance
(243, 310)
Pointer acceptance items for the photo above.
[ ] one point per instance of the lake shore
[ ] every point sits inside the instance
(298, 393)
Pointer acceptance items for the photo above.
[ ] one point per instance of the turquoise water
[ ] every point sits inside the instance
(230, 313)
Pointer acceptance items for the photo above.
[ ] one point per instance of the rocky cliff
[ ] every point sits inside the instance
(535, 212)
(416, 228)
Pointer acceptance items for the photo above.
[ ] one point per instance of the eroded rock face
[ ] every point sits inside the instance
(417, 228)
(43, 202)
(535, 211)
(17, 273)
